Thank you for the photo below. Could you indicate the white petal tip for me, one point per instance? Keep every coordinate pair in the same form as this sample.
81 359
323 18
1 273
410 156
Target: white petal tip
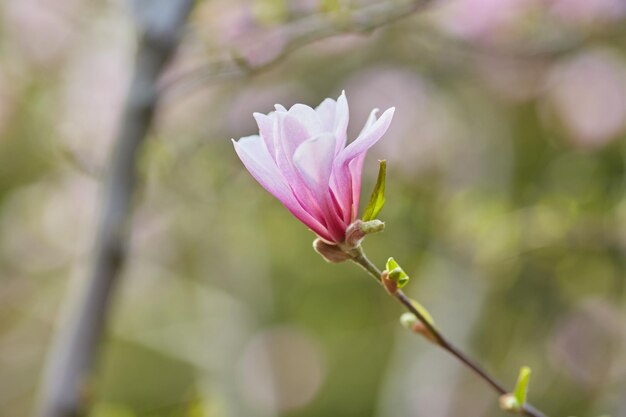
280 108
246 139
389 112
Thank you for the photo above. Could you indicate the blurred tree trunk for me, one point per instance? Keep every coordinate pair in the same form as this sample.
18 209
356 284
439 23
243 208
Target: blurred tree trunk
159 27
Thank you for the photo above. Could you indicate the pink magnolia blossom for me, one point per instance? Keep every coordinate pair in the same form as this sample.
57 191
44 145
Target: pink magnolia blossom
301 157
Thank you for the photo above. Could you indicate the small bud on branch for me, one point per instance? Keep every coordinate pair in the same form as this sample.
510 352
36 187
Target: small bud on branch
359 229
390 285
331 253
509 403
409 321
396 273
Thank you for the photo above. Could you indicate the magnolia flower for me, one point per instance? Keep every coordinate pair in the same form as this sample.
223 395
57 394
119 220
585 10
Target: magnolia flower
301 157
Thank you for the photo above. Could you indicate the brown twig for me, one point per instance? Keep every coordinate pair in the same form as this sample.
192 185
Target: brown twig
159 27
358 257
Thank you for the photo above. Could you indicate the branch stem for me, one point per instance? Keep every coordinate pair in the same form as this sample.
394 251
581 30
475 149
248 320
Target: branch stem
359 257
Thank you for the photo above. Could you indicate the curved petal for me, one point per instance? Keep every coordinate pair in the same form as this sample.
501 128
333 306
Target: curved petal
257 159
371 119
355 168
314 161
255 156
326 112
368 136
291 133
266 129
346 178
342 116
308 118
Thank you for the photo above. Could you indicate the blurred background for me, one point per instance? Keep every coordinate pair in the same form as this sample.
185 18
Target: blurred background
506 204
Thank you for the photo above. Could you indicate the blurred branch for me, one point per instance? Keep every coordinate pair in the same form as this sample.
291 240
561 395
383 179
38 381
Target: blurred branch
160 24
435 41
294 35
320 26
437 337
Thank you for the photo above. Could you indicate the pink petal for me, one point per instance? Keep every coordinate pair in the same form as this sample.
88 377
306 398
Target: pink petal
314 161
266 129
342 116
368 137
308 118
347 171
257 159
255 156
326 112
371 119
356 170
341 187
289 133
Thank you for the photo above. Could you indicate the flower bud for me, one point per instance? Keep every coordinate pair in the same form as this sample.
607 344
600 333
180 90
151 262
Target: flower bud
420 328
411 322
390 285
408 320
330 253
508 402
359 229
396 273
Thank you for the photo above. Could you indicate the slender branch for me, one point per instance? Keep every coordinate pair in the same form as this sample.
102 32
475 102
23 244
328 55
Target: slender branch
359 257
159 25
297 34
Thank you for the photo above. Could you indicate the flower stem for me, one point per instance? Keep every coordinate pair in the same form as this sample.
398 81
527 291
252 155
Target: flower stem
359 257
